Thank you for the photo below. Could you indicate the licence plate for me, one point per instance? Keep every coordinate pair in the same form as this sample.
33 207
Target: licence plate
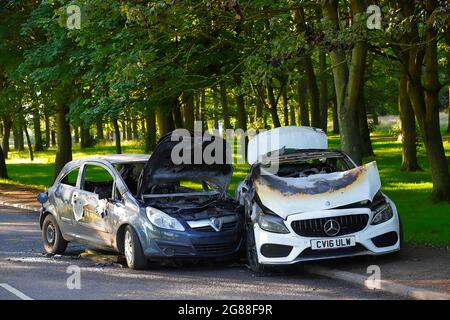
333 243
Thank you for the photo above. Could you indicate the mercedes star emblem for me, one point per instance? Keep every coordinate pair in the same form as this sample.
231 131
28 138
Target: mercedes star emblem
331 227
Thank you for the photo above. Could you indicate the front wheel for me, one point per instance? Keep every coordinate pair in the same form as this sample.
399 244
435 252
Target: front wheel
252 253
133 250
54 242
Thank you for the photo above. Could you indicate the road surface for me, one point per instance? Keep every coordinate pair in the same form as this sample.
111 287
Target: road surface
26 273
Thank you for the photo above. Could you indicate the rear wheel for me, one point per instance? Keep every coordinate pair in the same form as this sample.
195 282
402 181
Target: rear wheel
252 253
54 242
134 255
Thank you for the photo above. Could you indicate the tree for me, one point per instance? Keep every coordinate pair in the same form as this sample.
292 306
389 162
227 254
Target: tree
424 97
408 127
348 78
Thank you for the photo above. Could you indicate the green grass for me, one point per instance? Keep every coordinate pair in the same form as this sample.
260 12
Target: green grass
424 222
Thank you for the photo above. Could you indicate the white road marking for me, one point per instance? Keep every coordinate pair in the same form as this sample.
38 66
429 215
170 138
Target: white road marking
15 292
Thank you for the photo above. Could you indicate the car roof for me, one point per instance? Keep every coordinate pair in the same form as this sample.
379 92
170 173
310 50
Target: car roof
116 158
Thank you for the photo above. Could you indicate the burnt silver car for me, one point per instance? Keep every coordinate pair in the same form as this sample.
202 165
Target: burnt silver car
147 208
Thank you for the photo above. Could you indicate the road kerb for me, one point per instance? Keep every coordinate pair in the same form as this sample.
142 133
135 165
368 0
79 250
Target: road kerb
20 206
384 285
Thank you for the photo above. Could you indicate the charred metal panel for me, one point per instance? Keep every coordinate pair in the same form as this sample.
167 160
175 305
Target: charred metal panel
286 196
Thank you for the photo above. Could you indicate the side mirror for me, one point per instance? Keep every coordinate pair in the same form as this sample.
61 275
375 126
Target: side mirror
42 197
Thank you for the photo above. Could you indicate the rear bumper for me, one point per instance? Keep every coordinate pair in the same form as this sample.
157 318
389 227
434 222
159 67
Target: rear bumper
372 240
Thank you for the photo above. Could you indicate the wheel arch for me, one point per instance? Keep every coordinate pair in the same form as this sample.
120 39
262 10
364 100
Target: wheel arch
42 217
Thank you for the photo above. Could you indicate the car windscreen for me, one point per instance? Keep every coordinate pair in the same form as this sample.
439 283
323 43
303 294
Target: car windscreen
130 173
295 168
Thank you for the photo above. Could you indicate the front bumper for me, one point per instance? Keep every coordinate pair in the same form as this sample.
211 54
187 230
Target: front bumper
293 248
189 244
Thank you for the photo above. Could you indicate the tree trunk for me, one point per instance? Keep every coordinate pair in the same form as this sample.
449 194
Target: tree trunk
134 129
117 136
313 92
162 120
259 109
64 146
448 125
129 130
188 110
53 135
302 103
38 145
240 103
201 109
7 124
424 100
224 102
348 82
76 134
366 143
177 116
448 75
99 129
123 124
216 107
285 106
20 137
86 138
3 169
306 64
15 136
335 112
432 135
47 130
273 108
292 115
196 107
408 126
150 134
30 147
323 91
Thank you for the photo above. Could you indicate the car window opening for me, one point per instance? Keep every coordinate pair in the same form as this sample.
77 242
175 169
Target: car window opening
99 181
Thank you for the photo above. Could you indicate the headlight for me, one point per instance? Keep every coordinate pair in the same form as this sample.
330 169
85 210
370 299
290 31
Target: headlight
163 220
382 214
272 224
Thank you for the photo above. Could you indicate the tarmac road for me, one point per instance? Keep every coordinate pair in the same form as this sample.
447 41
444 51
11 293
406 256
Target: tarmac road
26 273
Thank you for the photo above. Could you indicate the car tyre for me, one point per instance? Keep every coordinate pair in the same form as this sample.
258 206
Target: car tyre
54 242
134 255
252 253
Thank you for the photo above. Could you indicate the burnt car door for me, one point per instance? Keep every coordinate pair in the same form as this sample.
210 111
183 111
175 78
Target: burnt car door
91 204
62 195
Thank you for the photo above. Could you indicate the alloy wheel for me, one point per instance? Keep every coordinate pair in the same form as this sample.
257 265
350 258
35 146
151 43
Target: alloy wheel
129 250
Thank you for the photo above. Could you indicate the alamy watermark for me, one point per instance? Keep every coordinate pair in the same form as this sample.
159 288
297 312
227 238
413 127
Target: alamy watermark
374 19
216 146
73 17
73 281
374 280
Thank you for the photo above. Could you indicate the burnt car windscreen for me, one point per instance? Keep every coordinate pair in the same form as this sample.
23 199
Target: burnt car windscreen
303 168
130 173
190 186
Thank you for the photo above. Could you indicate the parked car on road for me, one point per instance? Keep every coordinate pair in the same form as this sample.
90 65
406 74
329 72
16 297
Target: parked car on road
147 208
304 202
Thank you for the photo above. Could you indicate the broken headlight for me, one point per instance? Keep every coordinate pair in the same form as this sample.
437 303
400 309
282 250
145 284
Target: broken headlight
382 214
163 220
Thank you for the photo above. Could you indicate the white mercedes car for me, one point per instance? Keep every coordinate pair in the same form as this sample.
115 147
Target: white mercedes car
304 202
